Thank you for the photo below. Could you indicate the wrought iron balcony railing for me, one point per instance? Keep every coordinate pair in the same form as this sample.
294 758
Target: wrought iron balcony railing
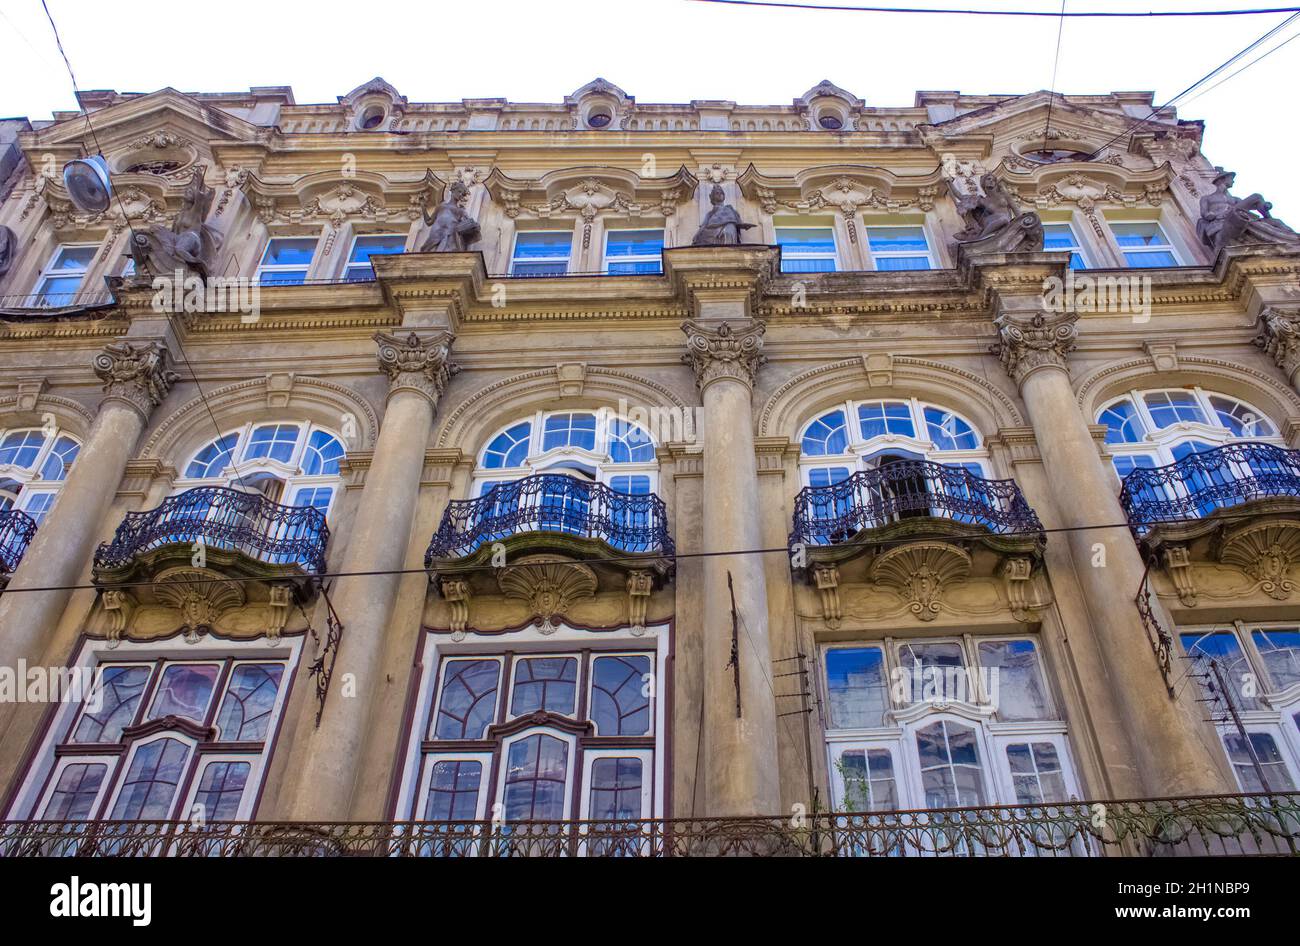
17 529
553 503
222 518
1204 826
1200 483
47 301
870 499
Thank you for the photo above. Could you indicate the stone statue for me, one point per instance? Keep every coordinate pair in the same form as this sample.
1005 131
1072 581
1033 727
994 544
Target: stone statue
1226 220
994 222
721 226
8 247
451 229
190 245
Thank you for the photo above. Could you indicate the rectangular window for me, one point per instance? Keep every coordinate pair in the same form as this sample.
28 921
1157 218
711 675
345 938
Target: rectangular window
61 280
1144 245
541 253
1262 750
286 261
364 247
1280 652
895 248
1060 236
868 776
855 679
807 249
634 251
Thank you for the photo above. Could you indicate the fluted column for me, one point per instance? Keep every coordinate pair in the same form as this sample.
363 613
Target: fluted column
1280 338
1176 754
325 764
740 744
136 377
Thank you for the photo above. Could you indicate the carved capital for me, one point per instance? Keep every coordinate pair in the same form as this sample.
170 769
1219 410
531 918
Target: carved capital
135 373
1043 341
724 352
1280 338
415 363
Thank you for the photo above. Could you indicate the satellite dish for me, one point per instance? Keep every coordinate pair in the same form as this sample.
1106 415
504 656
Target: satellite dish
88 184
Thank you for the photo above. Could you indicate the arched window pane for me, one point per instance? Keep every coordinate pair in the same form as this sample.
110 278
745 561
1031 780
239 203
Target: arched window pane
275 441
615 789
826 436
249 701
948 431
20 447
322 454
1241 419
453 791
213 458
75 793
221 788
629 443
150 784
509 448
877 418
468 702
1123 423
950 765
620 699
1224 648
545 683
185 691
121 689
60 458
536 770
1171 407
570 430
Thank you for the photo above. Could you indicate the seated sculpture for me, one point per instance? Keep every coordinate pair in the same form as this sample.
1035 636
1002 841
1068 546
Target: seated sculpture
1226 220
190 245
451 229
721 226
994 222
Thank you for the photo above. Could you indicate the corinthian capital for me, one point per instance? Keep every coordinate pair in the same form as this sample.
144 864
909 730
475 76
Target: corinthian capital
1280 337
135 373
1043 341
724 352
416 364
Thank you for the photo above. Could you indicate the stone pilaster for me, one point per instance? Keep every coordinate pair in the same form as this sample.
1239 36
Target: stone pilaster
740 735
136 378
1033 347
326 761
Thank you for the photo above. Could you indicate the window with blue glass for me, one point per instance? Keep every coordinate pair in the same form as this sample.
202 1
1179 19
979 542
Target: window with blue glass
366 246
33 465
541 253
1144 244
807 249
286 260
1059 237
633 251
899 247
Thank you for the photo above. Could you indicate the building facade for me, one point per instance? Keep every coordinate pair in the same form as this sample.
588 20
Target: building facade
609 477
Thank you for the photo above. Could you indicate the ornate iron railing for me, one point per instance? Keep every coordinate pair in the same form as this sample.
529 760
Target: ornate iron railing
1200 483
17 529
1208 825
223 518
553 503
869 499
44 301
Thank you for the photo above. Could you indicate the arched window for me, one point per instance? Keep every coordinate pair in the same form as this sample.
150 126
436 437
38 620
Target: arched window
1156 427
595 446
294 463
863 435
34 462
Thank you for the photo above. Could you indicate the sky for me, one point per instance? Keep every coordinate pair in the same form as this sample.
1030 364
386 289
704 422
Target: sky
670 51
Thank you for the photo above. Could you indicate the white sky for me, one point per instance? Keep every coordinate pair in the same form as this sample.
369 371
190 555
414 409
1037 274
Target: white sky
666 51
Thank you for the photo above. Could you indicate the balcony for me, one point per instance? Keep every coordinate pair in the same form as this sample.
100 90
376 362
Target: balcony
55 303
1214 825
17 529
244 531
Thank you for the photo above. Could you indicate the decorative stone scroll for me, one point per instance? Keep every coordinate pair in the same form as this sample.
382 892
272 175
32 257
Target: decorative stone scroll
1280 338
1043 341
135 373
416 364
724 352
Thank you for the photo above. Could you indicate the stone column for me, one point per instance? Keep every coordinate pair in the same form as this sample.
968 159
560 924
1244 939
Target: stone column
136 378
740 744
1280 339
1175 755
325 765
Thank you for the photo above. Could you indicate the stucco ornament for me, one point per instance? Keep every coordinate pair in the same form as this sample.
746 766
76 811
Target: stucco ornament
199 599
1266 552
1280 338
416 364
1039 342
724 352
136 373
994 221
451 228
8 245
189 245
549 585
1226 220
920 573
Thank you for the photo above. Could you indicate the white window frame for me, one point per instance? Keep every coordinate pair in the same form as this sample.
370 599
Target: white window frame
567 259
589 759
874 255
1077 249
347 260
29 482
265 267
833 256
656 258
1166 247
49 271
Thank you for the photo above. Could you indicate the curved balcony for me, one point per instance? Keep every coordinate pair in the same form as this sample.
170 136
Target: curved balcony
1201 483
290 539
17 529
907 490
556 506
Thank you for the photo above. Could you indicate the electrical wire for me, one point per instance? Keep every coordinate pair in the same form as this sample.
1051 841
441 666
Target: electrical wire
1238 72
1130 14
1051 91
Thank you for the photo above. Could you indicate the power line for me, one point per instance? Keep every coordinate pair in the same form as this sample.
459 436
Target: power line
1253 62
1056 62
1130 14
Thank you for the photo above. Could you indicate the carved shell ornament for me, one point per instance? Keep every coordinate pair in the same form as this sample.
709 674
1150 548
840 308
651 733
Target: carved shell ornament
549 585
199 599
920 573
1266 552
